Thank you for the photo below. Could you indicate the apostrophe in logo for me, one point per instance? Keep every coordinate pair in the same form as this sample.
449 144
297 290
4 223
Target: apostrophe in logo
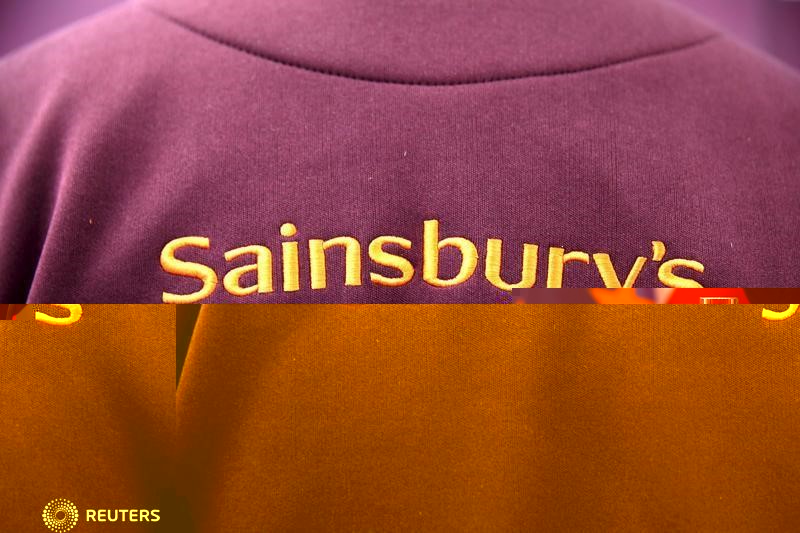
60 515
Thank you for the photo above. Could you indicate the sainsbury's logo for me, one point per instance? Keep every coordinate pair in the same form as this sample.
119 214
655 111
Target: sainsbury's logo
391 266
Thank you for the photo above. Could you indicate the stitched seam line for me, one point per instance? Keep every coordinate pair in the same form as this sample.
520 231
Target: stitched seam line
340 74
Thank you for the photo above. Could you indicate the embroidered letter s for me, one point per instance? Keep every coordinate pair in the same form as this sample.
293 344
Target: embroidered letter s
200 271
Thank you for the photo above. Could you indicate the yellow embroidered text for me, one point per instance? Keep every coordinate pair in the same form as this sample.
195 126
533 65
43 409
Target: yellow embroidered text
394 268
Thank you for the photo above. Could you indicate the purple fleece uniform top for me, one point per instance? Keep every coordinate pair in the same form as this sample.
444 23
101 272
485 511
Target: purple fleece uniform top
393 151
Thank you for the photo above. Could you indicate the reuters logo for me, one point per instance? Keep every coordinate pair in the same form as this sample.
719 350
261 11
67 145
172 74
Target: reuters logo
60 515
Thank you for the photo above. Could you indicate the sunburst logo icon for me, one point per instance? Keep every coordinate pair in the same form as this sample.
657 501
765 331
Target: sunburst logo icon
60 515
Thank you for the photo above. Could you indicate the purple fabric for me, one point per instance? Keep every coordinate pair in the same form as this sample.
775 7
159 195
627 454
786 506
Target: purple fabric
22 21
598 127
769 25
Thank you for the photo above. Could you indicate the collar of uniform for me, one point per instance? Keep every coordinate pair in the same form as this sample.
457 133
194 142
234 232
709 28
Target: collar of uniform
440 42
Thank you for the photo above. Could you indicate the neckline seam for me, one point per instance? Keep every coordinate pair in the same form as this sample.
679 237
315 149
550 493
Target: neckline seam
331 72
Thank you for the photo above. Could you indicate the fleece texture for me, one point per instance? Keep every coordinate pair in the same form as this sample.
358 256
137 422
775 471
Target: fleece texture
88 415
490 418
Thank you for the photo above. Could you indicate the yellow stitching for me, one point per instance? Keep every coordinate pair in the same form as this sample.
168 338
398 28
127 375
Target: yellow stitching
291 265
609 274
378 255
75 314
431 249
669 279
316 250
780 315
175 266
556 262
430 260
262 267
658 250
494 259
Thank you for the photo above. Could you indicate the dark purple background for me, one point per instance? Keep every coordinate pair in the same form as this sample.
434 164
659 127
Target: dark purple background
772 25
